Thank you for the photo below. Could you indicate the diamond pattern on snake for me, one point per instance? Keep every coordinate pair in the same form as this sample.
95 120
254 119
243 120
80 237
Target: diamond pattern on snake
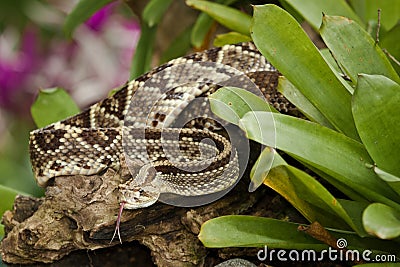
139 125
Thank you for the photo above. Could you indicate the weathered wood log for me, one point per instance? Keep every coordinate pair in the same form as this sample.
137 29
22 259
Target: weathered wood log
79 213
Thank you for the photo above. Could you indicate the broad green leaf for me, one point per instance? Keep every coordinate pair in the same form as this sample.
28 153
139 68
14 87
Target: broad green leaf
391 179
232 103
274 172
309 197
356 55
251 231
330 59
52 105
229 17
290 46
354 211
81 12
297 187
312 10
391 42
382 221
154 11
292 11
350 190
301 102
331 214
141 61
179 46
230 38
7 200
267 160
368 10
327 55
280 180
203 25
327 150
388 177
200 30
376 110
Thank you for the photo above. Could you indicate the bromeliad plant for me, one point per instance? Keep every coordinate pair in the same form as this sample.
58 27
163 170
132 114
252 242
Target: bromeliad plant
351 140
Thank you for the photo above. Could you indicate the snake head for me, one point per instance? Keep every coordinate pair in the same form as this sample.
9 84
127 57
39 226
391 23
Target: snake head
136 197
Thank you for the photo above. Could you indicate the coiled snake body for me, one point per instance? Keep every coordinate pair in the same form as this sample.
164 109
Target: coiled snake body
96 138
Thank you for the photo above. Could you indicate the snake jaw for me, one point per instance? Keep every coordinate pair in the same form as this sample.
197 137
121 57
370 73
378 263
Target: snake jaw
136 197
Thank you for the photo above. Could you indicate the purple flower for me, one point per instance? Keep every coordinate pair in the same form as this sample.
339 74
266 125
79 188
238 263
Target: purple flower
98 19
97 60
17 66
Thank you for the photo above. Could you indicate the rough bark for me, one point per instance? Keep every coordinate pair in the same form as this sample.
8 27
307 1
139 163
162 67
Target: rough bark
79 213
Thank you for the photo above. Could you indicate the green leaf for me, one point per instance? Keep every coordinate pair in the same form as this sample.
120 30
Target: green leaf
251 231
7 200
179 46
331 214
376 111
327 55
388 177
382 221
312 10
232 103
230 38
81 12
329 151
141 61
354 210
280 180
346 189
154 11
301 190
301 102
270 170
267 160
290 46
200 30
203 25
392 180
311 199
391 42
52 105
356 55
229 17
7 197
368 10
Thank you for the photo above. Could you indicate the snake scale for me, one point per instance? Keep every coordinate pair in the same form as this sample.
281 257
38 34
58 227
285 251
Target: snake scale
93 140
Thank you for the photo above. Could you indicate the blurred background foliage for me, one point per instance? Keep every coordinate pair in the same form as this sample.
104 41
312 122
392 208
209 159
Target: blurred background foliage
85 48
89 47
90 52
35 54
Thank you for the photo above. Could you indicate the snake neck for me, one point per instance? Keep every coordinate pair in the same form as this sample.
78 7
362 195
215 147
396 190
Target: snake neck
140 191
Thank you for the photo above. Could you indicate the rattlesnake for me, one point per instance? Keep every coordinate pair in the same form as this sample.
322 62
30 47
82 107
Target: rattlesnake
97 138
